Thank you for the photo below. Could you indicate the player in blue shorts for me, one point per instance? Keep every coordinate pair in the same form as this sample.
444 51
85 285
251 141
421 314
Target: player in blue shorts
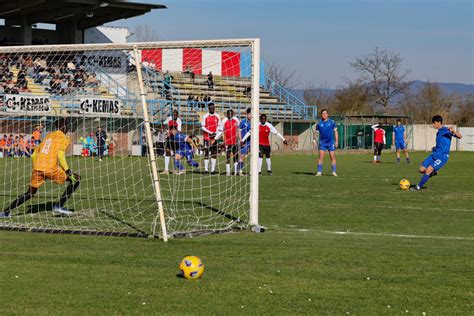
440 155
185 147
399 140
244 128
328 140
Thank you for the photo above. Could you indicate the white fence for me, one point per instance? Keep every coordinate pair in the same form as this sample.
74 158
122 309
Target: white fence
424 138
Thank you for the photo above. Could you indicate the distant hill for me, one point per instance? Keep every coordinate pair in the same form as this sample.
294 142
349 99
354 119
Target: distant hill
448 87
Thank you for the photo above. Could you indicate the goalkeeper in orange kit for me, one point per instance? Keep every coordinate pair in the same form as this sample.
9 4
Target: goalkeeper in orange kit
49 162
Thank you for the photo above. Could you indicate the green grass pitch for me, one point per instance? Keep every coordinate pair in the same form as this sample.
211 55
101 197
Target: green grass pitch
355 244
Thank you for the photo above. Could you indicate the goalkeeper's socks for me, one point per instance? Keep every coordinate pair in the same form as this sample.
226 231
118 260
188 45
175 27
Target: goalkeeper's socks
178 164
333 168
167 163
213 164
320 168
206 165
260 160
423 180
269 164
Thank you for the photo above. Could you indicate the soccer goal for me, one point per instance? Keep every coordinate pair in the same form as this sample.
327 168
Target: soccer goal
147 137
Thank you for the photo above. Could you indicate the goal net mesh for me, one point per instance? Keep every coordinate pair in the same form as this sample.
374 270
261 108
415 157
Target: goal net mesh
96 88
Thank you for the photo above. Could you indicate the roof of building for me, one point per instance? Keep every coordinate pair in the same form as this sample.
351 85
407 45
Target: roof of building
88 13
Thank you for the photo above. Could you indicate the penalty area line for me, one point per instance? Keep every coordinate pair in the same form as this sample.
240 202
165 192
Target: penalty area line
392 235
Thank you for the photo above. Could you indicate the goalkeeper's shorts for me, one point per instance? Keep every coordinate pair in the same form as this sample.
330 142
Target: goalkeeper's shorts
57 175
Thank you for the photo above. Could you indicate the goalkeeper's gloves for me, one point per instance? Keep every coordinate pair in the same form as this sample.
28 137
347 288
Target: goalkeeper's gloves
71 176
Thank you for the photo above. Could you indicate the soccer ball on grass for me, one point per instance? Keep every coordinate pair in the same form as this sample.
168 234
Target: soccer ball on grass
404 184
191 267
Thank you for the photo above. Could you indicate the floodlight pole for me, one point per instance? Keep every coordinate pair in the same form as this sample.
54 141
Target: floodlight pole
254 139
151 151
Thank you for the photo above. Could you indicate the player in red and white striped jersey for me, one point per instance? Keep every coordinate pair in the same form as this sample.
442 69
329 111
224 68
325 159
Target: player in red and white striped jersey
209 125
171 121
265 129
230 129
379 141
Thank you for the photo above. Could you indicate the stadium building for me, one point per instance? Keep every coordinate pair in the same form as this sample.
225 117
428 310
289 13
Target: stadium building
30 22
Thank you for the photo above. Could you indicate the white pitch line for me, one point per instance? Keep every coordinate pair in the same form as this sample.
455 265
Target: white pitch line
406 207
394 235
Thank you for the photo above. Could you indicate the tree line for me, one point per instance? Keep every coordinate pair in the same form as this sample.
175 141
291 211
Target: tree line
383 87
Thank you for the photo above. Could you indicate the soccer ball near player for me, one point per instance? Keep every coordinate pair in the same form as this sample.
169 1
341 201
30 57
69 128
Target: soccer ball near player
191 267
404 184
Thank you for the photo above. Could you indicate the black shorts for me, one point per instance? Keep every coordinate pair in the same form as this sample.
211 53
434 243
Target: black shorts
231 150
378 148
210 149
264 151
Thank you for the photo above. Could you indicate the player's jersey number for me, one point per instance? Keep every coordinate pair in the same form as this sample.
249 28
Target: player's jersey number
47 146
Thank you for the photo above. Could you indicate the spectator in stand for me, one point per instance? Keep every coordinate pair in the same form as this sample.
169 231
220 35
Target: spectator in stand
206 99
101 136
190 102
9 146
31 145
3 146
16 146
167 81
248 91
189 70
37 134
22 146
210 80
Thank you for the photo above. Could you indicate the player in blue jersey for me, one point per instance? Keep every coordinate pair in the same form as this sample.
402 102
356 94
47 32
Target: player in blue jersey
440 155
244 128
328 140
185 147
399 140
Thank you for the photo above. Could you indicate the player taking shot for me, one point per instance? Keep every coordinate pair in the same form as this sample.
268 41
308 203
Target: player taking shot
49 162
440 155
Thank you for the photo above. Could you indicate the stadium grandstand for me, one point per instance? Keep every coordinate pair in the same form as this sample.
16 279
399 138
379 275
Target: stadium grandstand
175 78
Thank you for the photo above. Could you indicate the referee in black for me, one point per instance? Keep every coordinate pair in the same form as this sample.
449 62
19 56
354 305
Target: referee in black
101 137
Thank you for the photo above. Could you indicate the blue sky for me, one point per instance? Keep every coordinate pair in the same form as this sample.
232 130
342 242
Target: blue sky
318 38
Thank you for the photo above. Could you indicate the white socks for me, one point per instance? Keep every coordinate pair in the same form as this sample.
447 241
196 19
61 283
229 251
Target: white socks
206 165
236 166
167 163
269 164
260 160
213 164
375 158
227 168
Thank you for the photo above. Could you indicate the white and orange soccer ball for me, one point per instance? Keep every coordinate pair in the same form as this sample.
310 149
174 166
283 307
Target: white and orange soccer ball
404 184
191 267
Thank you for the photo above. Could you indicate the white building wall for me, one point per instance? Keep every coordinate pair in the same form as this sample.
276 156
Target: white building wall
106 34
466 143
211 61
424 137
172 60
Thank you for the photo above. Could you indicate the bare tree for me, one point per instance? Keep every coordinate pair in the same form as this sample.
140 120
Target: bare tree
464 114
428 101
281 75
384 75
144 33
352 99
321 96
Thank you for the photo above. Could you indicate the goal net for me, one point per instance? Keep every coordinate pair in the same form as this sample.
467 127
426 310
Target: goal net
155 134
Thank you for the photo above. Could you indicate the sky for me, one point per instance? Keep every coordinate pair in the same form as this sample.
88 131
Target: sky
318 38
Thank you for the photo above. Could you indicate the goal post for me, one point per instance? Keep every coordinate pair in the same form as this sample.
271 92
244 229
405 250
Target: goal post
136 180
